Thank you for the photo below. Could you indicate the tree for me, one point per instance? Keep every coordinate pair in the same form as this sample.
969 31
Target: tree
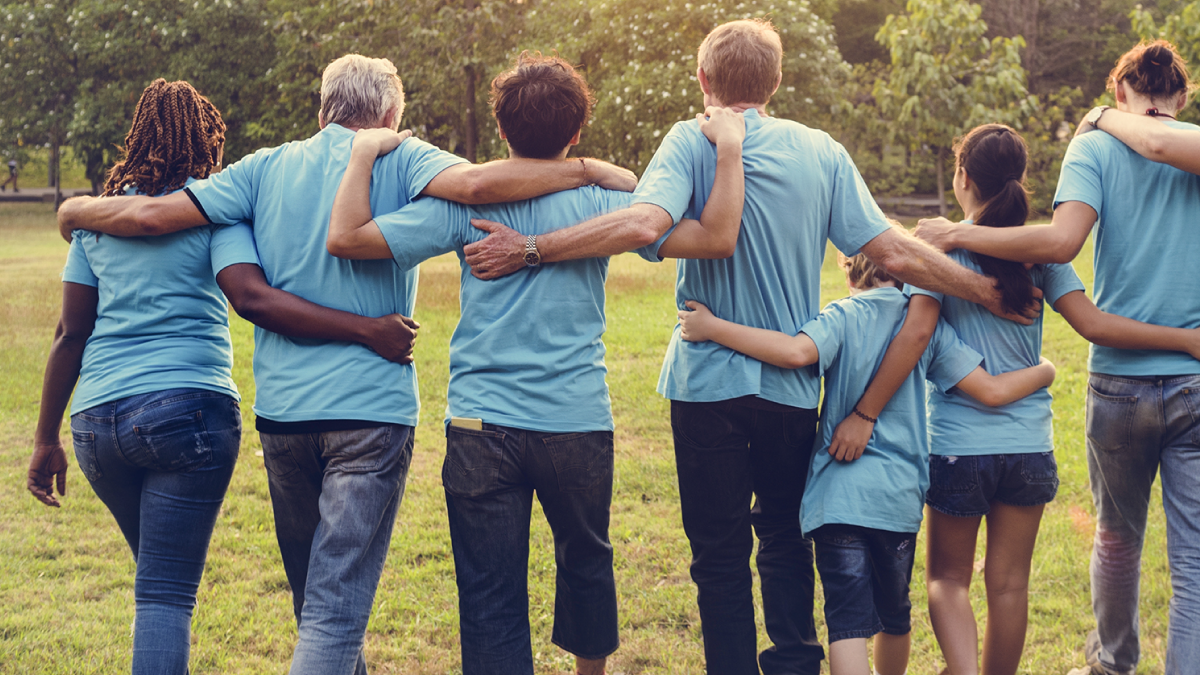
639 57
946 77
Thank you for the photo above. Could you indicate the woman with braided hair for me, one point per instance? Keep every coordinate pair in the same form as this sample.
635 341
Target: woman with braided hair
145 333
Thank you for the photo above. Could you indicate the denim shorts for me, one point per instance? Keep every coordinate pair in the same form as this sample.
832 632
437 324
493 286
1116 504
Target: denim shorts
966 486
866 574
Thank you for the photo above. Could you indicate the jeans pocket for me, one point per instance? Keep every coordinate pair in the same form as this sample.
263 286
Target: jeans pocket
177 443
1191 399
581 461
953 475
277 455
85 453
1109 418
704 426
1039 468
473 458
358 450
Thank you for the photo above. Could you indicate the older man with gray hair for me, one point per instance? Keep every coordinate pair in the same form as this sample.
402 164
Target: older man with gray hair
336 420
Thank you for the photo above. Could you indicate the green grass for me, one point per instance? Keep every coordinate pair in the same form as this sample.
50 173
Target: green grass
66 576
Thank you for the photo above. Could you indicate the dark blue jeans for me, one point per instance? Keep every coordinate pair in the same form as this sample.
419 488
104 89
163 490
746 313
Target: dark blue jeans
866 574
161 463
335 496
728 452
490 477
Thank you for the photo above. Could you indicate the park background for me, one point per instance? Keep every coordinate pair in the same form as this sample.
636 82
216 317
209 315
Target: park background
894 82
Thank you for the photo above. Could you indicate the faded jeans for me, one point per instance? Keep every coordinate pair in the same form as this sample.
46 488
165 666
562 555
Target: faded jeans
1134 427
161 463
335 496
490 477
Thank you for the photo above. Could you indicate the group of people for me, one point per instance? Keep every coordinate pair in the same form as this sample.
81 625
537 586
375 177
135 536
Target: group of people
318 241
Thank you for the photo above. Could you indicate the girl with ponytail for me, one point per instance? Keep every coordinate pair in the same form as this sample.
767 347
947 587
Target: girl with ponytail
998 462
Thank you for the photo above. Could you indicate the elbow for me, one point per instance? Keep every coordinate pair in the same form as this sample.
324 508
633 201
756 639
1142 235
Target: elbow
896 264
724 248
651 223
148 220
1157 146
796 359
249 304
336 247
1063 248
473 188
991 399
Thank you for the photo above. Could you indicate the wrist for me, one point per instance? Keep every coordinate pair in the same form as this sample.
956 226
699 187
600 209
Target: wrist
362 329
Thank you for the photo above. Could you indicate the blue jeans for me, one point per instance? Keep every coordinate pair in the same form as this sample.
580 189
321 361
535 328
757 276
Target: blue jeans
866 574
966 486
161 463
490 477
1134 426
335 496
728 452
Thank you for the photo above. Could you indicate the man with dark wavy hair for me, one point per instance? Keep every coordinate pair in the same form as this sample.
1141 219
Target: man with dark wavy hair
528 409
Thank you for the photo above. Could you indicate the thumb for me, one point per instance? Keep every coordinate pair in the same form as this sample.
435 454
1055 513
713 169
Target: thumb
405 134
486 225
410 322
62 482
691 304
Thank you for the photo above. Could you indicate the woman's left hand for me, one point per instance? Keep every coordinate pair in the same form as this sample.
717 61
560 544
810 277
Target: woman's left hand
47 470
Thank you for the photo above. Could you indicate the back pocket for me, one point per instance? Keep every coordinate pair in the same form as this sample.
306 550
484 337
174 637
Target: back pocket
85 453
581 461
953 475
174 444
1039 468
473 458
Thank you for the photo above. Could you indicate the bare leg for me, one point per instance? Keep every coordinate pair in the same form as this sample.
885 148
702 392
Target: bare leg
949 562
891 653
1011 534
589 666
849 657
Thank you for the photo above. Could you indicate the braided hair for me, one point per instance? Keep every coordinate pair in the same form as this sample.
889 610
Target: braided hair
176 134
994 158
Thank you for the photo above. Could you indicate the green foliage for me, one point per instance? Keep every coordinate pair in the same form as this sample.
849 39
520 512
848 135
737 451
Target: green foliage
640 58
1181 29
1047 132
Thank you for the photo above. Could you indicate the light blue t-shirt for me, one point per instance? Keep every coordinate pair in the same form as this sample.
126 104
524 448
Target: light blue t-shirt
961 425
288 192
1146 243
527 352
885 488
801 189
161 321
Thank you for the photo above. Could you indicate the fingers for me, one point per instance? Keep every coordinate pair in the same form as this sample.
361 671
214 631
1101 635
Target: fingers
405 135
39 486
690 304
486 225
410 322
61 482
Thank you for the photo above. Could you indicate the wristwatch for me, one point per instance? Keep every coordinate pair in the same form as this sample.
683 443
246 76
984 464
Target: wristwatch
532 257
1093 117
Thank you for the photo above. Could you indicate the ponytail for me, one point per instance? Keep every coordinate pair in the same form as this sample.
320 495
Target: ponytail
994 157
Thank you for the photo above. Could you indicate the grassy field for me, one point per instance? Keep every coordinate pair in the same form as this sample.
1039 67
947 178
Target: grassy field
66 576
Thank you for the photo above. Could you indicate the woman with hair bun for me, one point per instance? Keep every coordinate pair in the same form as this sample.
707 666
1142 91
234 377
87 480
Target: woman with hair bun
145 333
1142 405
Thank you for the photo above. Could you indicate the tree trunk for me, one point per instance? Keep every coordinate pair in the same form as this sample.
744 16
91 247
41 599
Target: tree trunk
941 180
56 167
52 167
472 133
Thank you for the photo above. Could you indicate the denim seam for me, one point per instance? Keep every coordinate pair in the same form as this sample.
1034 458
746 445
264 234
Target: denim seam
174 399
598 655
956 514
857 633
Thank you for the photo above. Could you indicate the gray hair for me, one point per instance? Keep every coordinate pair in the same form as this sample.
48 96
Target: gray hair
359 92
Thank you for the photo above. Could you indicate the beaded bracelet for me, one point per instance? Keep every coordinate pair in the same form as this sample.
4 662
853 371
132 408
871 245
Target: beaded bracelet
866 417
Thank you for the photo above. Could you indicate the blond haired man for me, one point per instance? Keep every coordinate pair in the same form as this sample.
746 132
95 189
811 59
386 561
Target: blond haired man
744 429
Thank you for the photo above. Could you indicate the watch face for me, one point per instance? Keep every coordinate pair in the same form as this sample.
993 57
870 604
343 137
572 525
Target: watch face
532 258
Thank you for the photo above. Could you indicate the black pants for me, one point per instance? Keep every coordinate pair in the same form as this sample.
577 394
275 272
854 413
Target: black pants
726 453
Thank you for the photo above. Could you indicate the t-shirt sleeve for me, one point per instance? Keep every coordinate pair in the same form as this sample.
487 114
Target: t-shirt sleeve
1079 179
78 270
420 163
232 245
910 290
951 359
424 229
1058 280
854 217
828 330
668 180
228 196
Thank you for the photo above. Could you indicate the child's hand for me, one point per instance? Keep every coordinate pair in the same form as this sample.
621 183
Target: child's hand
1048 370
695 325
850 438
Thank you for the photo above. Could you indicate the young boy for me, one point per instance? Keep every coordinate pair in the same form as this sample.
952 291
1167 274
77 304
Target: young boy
864 514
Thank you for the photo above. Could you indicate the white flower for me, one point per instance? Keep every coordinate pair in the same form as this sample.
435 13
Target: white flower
657 133
628 108
791 88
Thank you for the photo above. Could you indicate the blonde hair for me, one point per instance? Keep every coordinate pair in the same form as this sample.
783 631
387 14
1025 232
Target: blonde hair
743 61
359 92
863 273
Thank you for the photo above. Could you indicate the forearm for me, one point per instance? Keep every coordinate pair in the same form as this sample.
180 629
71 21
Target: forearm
135 216
1017 384
606 235
902 354
769 346
507 180
1153 139
715 234
62 372
1039 244
351 231
1118 332
914 262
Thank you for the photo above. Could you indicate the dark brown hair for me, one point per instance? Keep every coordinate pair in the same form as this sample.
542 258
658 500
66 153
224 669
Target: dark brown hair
994 158
540 103
176 134
1153 69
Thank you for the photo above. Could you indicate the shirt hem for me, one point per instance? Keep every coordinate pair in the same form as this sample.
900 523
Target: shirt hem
118 394
338 414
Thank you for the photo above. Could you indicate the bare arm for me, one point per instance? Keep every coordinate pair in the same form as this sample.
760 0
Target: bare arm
768 346
914 262
1058 242
715 234
48 464
246 286
1002 389
510 180
352 231
852 434
129 216
1111 330
1152 139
